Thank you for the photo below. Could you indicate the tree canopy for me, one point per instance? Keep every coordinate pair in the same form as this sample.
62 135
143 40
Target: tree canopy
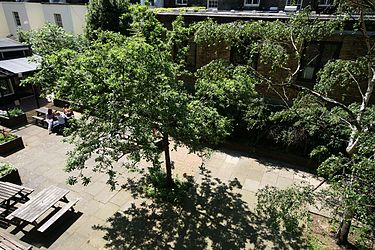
129 88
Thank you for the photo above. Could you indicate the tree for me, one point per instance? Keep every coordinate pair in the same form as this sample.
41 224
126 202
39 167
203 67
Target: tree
347 162
129 89
50 38
106 15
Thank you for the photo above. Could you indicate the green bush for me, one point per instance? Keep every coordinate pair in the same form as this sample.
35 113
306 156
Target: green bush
5 137
6 168
15 112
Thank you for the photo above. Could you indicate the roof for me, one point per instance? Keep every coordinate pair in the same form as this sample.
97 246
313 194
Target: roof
7 43
19 65
251 14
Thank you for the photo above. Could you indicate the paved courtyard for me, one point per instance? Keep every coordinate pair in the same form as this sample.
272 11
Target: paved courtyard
41 164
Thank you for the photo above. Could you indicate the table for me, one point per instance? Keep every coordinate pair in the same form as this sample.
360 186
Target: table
9 191
39 204
41 111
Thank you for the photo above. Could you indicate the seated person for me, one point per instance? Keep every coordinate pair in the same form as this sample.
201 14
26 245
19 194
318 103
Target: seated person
50 118
67 111
60 120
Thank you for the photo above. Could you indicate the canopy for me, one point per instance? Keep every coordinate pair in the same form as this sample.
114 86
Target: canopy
18 65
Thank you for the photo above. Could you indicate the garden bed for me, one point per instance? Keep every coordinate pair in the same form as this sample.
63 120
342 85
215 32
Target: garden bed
8 173
11 145
14 121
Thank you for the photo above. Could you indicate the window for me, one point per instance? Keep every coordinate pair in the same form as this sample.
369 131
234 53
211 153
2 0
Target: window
326 2
181 2
315 56
58 20
17 19
6 87
212 4
297 3
252 2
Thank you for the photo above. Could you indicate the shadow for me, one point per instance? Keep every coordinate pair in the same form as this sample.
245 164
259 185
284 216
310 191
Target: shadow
211 214
271 158
47 238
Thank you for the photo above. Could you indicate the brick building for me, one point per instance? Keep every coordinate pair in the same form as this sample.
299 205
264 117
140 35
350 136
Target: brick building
262 5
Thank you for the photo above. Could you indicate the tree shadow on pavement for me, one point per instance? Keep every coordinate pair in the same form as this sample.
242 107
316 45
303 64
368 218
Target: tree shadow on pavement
211 215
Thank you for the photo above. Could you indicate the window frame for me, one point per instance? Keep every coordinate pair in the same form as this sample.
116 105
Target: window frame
9 87
181 2
251 4
17 19
290 3
58 19
326 4
319 65
217 4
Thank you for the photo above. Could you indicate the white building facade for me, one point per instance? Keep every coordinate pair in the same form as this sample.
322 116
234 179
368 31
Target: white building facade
28 16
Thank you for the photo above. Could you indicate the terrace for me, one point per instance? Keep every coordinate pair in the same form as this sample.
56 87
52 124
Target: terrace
226 186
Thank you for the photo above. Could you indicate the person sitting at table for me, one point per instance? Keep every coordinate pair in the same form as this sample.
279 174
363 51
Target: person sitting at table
60 120
50 117
67 111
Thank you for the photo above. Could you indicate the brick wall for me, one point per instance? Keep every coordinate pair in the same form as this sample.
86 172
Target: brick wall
239 4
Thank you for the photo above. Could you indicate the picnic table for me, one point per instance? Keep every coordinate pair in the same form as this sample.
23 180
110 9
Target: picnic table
8 243
41 117
42 111
38 205
9 192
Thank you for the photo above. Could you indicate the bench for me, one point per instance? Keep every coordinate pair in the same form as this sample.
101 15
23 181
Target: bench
7 242
40 121
2 210
57 215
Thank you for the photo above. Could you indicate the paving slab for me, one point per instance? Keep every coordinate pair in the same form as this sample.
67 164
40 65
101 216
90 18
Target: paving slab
41 164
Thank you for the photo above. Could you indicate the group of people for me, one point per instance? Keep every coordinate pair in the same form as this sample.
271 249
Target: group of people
56 119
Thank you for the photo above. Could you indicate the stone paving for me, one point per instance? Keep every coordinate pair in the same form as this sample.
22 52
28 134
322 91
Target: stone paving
41 164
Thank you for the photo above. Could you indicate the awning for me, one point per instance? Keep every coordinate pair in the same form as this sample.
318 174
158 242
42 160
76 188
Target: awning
18 65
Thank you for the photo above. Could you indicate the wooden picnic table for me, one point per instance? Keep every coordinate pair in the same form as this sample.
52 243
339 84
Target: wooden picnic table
9 191
33 209
42 111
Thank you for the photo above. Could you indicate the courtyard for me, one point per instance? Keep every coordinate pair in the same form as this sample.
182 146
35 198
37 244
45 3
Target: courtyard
219 211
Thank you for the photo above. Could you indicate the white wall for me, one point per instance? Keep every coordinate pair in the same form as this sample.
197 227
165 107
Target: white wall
35 14
4 31
78 13
64 10
9 8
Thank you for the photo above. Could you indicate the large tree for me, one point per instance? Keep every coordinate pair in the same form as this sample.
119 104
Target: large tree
134 105
106 15
319 110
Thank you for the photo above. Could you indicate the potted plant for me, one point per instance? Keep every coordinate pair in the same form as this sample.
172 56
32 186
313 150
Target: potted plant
9 143
13 118
9 173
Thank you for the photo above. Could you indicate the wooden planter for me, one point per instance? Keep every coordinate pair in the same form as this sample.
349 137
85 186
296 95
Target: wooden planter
13 122
13 177
11 146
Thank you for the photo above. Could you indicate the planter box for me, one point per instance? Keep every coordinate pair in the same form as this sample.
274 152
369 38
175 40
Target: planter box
12 177
11 146
13 122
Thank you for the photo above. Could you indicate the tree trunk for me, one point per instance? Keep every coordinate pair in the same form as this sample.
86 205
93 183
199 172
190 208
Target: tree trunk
343 231
168 164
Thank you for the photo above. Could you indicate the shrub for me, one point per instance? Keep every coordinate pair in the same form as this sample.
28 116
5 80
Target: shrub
6 168
6 136
15 112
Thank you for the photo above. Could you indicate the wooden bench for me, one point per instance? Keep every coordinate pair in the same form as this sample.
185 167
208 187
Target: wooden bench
57 215
41 121
2 210
7 242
